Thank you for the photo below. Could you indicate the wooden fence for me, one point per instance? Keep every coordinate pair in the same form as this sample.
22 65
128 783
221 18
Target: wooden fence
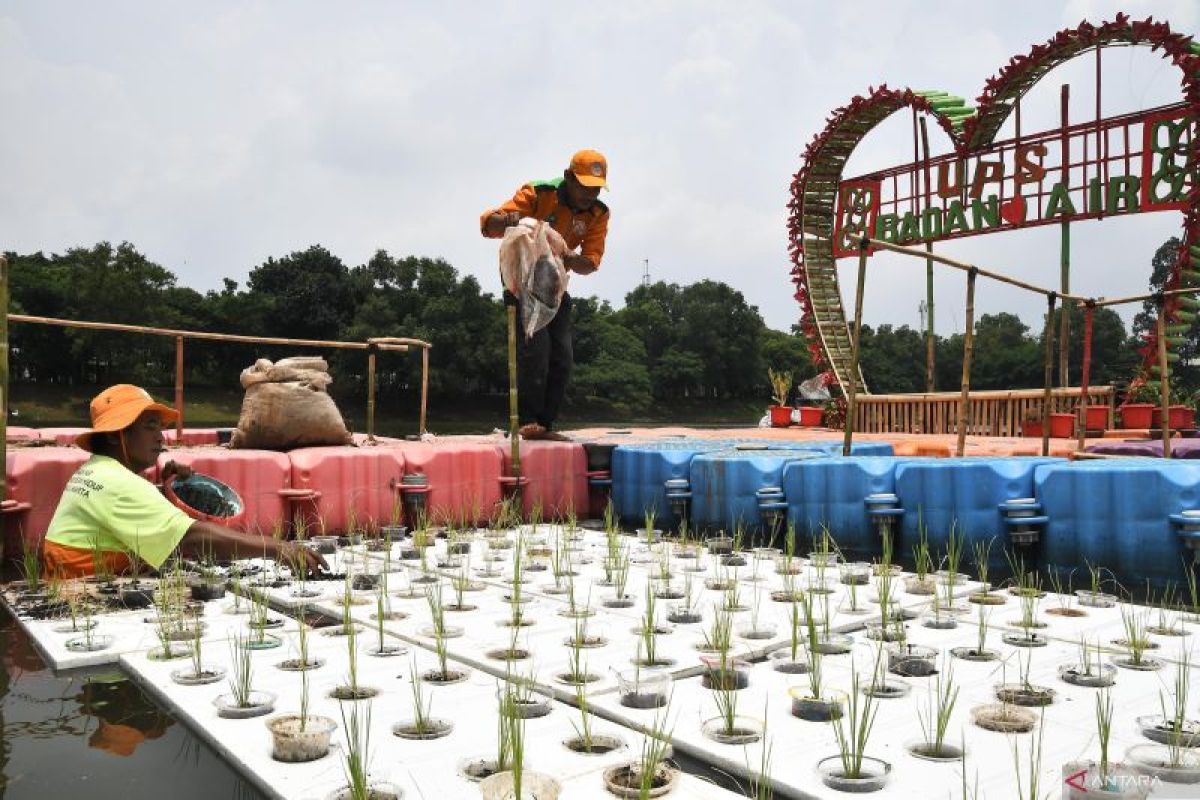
994 413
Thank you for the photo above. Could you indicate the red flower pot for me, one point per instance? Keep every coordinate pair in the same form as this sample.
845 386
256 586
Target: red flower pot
1032 428
1062 425
1177 416
1137 415
1097 418
781 416
811 416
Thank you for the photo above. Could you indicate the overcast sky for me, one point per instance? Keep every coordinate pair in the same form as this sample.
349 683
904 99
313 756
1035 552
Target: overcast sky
213 135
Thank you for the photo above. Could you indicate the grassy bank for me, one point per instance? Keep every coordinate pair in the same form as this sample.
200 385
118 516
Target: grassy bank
206 407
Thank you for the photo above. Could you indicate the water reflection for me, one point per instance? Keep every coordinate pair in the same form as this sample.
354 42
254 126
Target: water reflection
95 734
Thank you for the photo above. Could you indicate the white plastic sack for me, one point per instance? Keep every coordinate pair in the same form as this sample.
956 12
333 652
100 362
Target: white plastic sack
815 388
531 267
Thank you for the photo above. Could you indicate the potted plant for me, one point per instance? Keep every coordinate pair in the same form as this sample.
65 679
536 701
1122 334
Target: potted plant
359 784
243 701
423 725
1181 413
1085 780
781 384
1140 401
516 783
1062 426
651 774
1031 425
303 737
934 719
852 770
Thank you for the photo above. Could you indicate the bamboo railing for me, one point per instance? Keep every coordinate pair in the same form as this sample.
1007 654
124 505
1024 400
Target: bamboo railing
989 413
372 346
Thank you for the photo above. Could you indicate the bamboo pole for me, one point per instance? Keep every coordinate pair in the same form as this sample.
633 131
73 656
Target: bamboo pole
968 347
371 394
1048 347
424 386
1137 298
852 398
965 267
930 348
4 381
1064 256
179 389
1085 371
1164 380
398 345
514 435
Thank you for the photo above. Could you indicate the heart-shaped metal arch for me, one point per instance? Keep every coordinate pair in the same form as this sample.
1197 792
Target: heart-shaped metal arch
812 207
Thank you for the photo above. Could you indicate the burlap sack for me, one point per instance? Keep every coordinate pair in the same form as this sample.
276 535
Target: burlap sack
286 406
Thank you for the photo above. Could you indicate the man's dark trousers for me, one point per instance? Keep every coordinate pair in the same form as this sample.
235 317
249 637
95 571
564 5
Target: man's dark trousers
544 366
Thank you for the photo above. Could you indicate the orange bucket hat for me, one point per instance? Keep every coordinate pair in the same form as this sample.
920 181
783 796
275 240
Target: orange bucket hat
118 407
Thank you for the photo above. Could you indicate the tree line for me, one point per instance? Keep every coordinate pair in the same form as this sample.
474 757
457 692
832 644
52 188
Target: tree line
698 343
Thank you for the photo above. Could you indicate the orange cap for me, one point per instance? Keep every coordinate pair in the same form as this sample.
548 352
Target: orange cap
118 407
590 167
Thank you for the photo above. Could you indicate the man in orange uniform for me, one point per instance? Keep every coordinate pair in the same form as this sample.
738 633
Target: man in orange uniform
571 206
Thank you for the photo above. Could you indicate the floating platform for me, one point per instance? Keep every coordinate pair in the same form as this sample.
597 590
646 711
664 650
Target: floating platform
762 638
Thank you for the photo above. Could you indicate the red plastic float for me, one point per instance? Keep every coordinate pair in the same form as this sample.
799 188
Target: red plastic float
554 476
263 479
60 436
192 437
19 434
463 478
347 486
36 479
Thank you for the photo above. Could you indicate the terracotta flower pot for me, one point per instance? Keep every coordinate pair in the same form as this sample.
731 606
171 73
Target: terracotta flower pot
781 416
1097 418
1137 415
1062 425
1177 416
811 416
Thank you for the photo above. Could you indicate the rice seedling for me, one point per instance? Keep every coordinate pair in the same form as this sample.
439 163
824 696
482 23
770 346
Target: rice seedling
352 662
719 636
934 718
100 564
583 730
815 656
31 568
922 558
649 517
656 744
725 696
1134 622
241 671
648 631
955 543
620 574
664 562
760 776
981 555
511 719
853 728
437 610
796 622
422 705
1104 719
1174 712
1029 786
355 764
1063 591
1189 572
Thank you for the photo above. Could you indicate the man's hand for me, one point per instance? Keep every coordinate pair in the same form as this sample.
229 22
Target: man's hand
579 264
301 558
499 221
172 470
